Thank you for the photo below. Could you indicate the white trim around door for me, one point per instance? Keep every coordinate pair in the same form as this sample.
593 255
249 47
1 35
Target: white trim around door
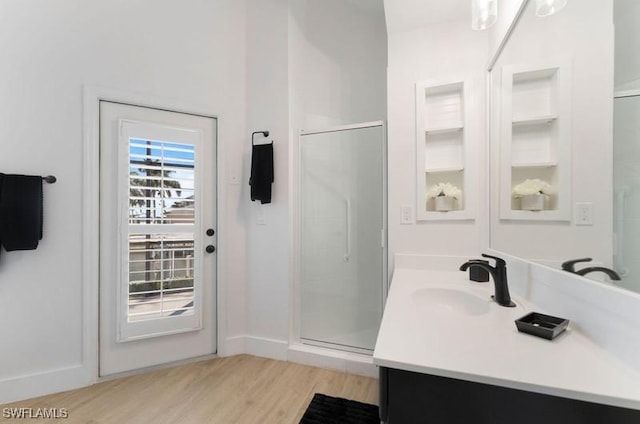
92 96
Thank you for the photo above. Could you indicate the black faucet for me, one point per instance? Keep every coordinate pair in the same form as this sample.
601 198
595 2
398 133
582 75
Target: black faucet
569 266
499 273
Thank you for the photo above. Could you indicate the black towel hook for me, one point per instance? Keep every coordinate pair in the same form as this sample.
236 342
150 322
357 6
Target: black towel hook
50 179
264 133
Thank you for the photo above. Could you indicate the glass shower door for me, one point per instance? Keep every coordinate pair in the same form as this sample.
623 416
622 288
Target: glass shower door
626 182
343 258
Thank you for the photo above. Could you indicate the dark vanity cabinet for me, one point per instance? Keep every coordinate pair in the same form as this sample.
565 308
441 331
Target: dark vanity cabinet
414 398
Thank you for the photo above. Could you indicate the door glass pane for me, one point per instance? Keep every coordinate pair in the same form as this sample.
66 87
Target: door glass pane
160 275
161 182
342 190
161 260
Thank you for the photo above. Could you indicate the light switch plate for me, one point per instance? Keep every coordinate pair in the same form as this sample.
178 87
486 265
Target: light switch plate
584 213
260 219
406 215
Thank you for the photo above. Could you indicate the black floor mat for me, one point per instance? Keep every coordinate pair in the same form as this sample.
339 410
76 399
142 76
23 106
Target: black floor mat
331 410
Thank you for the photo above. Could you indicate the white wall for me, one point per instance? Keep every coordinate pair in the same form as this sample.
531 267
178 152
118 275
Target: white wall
405 15
434 52
310 63
507 10
234 59
583 35
268 109
190 51
338 58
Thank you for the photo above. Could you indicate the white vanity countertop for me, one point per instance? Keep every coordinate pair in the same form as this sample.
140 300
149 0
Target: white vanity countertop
487 348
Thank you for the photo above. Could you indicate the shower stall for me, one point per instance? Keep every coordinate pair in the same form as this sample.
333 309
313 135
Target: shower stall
626 184
342 236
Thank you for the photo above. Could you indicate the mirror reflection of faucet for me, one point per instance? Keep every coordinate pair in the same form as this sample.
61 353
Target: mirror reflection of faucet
569 266
499 274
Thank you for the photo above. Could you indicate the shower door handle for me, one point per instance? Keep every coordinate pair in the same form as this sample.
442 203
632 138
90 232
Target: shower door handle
618 245
347 253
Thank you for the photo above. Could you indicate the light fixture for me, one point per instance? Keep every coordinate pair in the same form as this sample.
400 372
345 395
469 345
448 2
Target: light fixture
484 13
549 7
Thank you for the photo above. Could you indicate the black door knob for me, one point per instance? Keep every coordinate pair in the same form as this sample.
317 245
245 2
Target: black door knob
210 232
210 249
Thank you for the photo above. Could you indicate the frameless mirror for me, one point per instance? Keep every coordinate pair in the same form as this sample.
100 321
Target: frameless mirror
565 161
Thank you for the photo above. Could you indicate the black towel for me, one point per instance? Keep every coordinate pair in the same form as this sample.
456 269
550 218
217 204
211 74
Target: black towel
20 211
261 172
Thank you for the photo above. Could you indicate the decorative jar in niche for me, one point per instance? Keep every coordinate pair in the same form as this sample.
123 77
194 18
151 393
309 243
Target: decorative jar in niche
532 202
444 203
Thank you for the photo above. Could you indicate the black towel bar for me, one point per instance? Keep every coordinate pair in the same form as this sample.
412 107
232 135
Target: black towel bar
264 133
48 179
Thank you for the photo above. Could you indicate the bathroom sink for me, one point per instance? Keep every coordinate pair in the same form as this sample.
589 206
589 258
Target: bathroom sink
448 301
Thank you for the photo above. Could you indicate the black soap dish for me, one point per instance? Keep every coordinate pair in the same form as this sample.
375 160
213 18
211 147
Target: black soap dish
541 325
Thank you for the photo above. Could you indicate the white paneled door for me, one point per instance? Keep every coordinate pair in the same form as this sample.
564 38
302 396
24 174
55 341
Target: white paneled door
157 237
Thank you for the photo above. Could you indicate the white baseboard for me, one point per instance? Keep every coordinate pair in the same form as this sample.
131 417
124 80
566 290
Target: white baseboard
351 363
232 346
40 384
257 346
266 348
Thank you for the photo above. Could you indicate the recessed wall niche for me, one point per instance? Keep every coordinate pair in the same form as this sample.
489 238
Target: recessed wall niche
535 139
443 149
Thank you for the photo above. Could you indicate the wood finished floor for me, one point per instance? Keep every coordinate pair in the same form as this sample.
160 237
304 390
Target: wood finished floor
241 389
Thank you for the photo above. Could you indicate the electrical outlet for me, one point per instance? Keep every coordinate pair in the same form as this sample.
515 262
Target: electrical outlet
406 215
584 213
